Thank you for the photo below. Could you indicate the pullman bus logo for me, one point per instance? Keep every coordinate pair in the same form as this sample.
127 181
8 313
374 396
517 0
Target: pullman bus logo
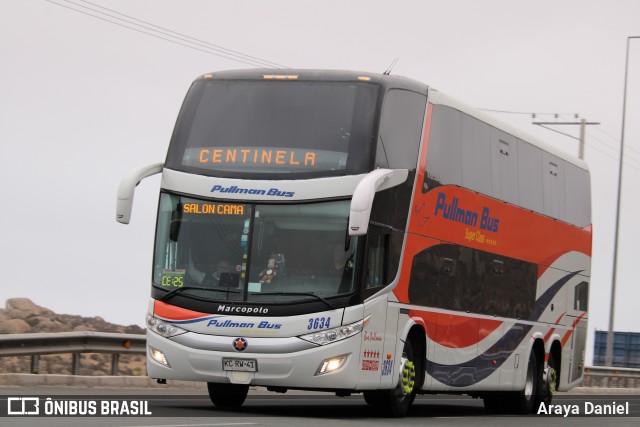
240 344
234 189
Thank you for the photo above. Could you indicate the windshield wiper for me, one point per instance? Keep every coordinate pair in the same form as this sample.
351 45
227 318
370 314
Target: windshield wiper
176 291
306 294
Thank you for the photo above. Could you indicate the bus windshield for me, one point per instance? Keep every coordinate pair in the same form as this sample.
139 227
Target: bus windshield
239 128
255 253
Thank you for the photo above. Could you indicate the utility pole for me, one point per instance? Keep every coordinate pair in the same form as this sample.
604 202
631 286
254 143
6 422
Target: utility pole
609 352
582 123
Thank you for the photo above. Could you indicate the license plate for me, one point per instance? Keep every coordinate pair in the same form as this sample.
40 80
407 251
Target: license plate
245 365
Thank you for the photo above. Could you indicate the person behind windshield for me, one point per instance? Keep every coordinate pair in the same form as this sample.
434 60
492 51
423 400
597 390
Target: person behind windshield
343 266
213 279
341 258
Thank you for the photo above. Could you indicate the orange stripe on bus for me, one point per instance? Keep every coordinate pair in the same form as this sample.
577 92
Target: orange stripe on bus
172 312
546 337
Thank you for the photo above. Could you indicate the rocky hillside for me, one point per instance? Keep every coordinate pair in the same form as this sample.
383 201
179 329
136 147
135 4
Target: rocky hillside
21 316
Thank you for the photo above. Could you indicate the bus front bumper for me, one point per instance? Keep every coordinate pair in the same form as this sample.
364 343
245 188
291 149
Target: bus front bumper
298 369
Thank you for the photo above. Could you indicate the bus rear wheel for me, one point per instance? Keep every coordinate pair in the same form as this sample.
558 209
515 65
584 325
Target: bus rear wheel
525 401
551 380
227 395
521 402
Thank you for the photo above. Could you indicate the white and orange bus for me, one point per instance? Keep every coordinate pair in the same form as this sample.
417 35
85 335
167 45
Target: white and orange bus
363 233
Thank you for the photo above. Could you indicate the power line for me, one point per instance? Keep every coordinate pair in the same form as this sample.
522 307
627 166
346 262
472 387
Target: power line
626 161
609 146
149 34
197 41
557 131
617 141
574 115
206 50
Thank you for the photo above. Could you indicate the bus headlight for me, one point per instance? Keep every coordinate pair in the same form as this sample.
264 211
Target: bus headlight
163 328
336 334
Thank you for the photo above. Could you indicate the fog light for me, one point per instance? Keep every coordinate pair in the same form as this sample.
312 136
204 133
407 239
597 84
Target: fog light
332 364
159 356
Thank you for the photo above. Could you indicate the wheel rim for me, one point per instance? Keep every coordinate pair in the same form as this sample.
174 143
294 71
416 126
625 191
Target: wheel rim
552 378
408 377
528 386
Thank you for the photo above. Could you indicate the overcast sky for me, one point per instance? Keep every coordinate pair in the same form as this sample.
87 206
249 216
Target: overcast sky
84 101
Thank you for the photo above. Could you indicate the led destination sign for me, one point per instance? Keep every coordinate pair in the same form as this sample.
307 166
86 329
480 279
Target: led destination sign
282 157
265 159
213 209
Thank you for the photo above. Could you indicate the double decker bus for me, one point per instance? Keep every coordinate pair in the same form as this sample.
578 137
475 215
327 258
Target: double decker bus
363 233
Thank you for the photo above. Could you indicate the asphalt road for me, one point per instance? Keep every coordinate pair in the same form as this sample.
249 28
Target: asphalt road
193 409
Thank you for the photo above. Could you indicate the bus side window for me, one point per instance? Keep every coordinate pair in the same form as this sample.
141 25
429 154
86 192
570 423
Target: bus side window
444 159
376 275
581 296
400 129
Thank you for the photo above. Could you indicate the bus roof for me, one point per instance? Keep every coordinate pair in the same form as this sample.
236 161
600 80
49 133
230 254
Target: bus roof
386 81
440 98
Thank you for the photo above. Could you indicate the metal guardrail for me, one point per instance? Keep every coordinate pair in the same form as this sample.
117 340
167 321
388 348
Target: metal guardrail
35 345
604 376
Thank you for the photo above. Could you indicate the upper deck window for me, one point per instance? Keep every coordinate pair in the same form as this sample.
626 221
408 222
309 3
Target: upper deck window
239 128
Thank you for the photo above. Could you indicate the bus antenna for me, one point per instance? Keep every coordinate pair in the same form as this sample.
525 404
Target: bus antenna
388 70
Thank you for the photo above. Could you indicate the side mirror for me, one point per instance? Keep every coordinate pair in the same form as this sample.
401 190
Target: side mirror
364 193
127 189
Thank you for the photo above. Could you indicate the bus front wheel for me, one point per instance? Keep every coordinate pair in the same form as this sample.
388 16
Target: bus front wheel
227 395
396 402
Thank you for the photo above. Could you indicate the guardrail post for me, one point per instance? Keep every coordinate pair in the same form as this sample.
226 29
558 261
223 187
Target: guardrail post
75 368
115 358
35 363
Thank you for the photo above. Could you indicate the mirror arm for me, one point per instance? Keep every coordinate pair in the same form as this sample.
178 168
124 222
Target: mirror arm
127 189
362 201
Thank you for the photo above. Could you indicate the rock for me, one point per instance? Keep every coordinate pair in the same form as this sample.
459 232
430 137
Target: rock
22 304
27 306
39 323
14 326
17 314
84 328
24 316
134 329
57 326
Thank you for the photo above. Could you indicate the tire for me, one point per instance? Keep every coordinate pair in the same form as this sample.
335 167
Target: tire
227 395
493 404
396 402
374 398
551 380
526 401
